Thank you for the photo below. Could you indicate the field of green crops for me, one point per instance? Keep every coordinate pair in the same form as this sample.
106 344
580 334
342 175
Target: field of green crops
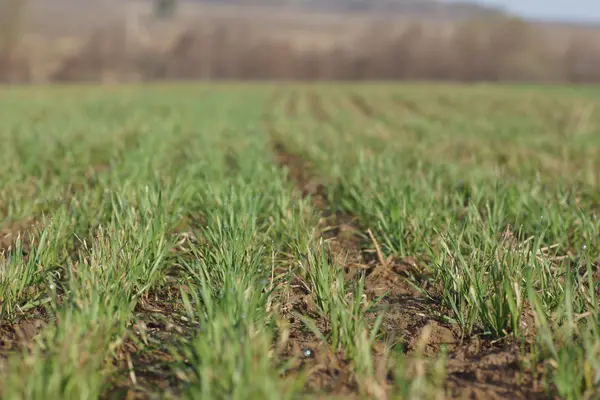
277 242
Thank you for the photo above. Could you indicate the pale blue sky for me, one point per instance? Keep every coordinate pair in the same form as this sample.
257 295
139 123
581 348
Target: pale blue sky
570 10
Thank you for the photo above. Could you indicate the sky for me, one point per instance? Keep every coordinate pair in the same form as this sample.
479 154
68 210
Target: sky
561 10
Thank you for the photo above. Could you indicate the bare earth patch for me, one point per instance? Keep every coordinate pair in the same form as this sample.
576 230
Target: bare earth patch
10 232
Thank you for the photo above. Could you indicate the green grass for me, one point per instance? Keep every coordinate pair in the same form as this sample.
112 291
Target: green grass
168 254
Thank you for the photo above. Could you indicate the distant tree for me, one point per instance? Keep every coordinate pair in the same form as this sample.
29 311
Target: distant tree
11 19
165 8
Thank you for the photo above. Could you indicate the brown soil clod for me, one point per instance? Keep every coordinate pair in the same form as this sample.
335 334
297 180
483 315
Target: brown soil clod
20 334
10 232
431 337
482 370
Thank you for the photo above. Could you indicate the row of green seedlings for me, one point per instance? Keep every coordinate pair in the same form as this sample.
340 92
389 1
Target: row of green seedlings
496 252
344 305
102 251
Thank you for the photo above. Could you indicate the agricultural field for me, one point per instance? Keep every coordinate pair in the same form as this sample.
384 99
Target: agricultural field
254 241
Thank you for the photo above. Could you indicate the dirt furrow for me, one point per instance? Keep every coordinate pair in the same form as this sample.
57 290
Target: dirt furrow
317 108
362 106
448 103
18 229
477 368
360 254
329 372
405 104
291 108
340 231
144 364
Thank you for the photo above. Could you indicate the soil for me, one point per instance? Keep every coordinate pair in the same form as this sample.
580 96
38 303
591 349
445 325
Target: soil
447 102
21 334
291 109
405 104
317 108
11 231
362 105
477 367
143 363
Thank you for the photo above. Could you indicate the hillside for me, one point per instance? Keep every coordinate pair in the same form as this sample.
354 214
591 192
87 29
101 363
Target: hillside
416 8
404 8
59 35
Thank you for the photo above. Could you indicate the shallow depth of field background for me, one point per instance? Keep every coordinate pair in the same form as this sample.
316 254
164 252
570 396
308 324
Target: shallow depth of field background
111 40
277 200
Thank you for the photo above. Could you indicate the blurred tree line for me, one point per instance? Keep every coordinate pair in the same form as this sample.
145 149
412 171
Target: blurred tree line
494 48
165 8
11 17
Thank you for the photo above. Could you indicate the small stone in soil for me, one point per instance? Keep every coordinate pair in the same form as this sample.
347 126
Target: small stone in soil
307 353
